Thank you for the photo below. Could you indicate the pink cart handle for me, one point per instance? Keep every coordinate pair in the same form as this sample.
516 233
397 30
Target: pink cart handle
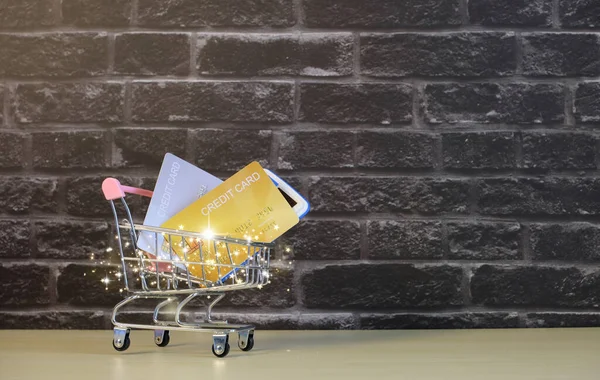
112 189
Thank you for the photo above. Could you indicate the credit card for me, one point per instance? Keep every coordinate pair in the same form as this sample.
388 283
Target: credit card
296 201
247 206
178 185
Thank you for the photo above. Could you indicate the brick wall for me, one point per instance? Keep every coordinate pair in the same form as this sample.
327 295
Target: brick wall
449 149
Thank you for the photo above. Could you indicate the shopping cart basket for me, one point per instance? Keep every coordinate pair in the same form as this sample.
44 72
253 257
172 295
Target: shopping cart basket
166 278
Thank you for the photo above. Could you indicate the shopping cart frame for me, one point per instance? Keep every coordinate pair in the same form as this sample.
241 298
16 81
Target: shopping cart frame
173 287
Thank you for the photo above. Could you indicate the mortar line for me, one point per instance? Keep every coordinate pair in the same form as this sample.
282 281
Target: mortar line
57 8
135 4
127 103
519 53
364 240
356 56
194 54
518 139
526 244
53 284
463 9
298 14
555 14
466 285
569 104
109 156
6 93
274 153
445 240
111 53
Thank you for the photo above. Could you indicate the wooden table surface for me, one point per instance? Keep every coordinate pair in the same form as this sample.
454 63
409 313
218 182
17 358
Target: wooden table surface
532 354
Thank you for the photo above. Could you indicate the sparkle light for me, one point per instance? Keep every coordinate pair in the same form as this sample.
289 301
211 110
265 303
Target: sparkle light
106 280
109 249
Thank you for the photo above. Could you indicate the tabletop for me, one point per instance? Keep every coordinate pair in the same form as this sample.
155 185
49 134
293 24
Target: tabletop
532 354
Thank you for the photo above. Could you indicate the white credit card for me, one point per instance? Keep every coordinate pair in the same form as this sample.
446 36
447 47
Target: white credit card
178 185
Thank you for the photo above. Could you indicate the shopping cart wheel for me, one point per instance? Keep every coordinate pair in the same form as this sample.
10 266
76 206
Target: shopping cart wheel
121 340
161 338
246 340
220 347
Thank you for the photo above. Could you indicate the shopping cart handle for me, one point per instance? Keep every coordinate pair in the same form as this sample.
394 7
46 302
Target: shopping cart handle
112 189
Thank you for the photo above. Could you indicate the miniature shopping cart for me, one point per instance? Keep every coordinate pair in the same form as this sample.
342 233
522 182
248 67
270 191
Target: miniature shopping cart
167 278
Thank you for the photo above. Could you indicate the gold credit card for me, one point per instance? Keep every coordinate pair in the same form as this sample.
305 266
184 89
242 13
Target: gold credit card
246 206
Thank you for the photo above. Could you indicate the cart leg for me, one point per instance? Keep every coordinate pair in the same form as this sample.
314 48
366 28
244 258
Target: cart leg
121 339
246 340
211 306
220 346
161 338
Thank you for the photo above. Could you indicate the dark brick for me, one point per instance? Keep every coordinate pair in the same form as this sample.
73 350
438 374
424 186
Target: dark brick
450 54
479 150
579 13
85 197
24 285
213 101
68 150
12 148
147 146
568 242
322 240
535 286
393 149
70 239
316 55
494 103
53 55
316 149
96 12
383 286
2 90
231 149
52 320
327 321
81 285
382 194
262 321
561 54
547 196
152 54
511 12
405 240
69 102
551 320
22 195
24 14
353 103
194 13
14 239
484 240
543 150
381 14
280 293
587 102
445 321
